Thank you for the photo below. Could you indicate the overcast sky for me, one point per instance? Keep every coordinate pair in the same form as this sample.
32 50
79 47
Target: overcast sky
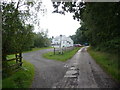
57 23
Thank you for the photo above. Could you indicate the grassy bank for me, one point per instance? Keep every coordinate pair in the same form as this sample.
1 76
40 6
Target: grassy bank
21 79
109 62
59 57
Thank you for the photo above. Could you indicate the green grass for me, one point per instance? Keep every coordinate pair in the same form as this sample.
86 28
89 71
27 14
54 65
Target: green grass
10 56
36 49
21 79
109 63
59 57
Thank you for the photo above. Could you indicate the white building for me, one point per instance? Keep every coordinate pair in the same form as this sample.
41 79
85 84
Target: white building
62 41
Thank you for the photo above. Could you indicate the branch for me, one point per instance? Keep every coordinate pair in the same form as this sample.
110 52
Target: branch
18 4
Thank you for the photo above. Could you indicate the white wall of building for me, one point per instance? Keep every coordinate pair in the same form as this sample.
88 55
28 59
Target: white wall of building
65 41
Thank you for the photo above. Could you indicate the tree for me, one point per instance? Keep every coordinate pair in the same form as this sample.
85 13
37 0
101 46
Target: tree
101 21
41 40
80 35
15 33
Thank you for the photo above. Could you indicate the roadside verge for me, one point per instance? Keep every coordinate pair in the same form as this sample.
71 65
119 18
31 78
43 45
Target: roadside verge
107 61
61 57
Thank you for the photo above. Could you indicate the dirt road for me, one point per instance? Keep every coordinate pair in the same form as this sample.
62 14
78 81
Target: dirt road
81 71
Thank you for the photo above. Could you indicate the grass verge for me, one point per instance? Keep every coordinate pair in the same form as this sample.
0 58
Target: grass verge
59 57
21 79
108 62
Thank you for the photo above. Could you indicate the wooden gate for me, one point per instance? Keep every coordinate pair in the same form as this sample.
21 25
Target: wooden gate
13 63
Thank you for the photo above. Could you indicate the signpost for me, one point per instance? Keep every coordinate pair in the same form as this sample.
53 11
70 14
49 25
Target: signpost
60 44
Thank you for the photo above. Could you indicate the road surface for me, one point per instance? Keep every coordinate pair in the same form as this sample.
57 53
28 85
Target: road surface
47 72
81 71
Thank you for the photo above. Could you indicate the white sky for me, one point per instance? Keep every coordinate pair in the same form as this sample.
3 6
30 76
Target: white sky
57 23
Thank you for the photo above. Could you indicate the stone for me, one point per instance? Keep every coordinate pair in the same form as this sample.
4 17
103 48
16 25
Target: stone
73 68
70 76
71 72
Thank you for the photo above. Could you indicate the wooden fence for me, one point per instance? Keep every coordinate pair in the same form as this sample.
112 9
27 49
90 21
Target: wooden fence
13 63
64 49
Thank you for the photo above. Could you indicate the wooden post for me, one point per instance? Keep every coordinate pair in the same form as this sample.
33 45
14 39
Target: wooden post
54 51
20 55
16 58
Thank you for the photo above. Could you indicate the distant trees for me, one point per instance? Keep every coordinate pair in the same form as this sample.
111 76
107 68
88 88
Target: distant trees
102 23
80 35
41 40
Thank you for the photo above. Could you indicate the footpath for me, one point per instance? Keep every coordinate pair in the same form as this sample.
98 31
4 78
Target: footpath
83 72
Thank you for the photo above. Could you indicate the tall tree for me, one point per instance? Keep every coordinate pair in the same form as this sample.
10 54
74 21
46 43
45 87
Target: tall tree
15 32
101 21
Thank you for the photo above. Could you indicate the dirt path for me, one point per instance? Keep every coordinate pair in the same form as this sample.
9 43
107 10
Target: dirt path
79 72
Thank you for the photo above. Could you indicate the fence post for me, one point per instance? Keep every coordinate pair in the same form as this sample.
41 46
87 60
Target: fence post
20 55
16 58
54 51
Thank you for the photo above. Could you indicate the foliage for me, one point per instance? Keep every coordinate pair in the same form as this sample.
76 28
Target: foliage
101 21
15 33
80 35
21 79
41 40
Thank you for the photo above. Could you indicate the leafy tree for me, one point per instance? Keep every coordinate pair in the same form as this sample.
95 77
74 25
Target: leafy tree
38 40
41 40
101 21
16 35
80 35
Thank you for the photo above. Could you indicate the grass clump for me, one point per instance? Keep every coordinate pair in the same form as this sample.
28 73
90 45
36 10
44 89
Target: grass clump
109 62
61 57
